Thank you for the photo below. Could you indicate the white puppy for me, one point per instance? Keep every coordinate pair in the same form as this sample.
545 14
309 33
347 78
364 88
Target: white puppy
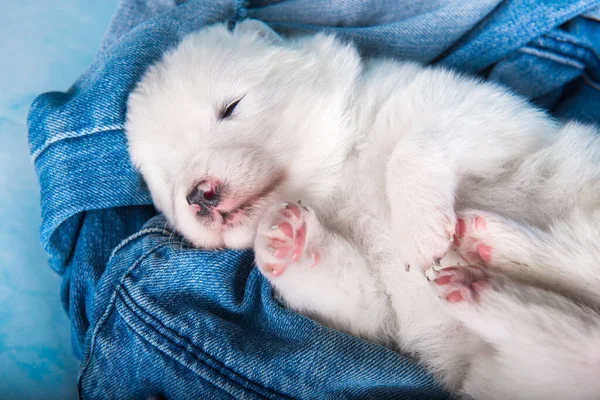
231 129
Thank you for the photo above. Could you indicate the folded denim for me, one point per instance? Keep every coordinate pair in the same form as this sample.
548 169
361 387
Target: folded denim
152 317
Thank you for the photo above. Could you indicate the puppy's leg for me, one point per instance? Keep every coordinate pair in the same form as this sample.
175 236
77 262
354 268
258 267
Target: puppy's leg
564 258
423 174
541 344
420 192
318 272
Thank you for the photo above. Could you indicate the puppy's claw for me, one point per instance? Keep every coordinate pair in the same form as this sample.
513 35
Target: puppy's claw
430 274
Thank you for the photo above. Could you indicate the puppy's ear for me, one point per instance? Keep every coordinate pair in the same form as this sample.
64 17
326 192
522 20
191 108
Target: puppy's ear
258 28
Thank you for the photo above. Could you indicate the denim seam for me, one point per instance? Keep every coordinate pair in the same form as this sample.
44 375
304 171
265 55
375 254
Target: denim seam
189 347
593 18
72 135
136 235
507 50
108 312
580 46
145 339
552 57
564 39
593 84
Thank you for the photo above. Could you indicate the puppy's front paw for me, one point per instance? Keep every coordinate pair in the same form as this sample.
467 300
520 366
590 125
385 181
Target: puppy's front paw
459 284
281 239
428 238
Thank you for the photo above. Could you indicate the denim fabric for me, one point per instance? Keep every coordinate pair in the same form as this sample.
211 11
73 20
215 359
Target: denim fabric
152 317
210 329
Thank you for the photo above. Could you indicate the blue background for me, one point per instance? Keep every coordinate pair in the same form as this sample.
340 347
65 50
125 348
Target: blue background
45 46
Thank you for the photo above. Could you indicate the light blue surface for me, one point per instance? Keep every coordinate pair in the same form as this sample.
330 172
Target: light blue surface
45 46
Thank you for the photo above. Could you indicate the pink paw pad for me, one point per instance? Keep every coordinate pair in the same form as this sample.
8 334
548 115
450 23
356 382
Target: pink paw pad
467 240
285 240
458 284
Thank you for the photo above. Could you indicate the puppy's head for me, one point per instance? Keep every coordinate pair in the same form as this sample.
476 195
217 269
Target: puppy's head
205 126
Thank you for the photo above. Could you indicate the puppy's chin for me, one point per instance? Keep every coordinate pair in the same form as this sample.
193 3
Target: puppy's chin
204 239
208 237
240 237
237 237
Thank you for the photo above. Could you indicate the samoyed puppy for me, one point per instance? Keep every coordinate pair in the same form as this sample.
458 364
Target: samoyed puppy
350 178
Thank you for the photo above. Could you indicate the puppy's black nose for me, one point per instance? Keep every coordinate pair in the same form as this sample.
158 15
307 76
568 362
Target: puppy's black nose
204 195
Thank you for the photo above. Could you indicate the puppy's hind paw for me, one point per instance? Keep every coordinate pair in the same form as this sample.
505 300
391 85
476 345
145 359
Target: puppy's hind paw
489 240
459 284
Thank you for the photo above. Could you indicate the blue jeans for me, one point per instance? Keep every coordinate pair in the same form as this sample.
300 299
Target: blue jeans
152 317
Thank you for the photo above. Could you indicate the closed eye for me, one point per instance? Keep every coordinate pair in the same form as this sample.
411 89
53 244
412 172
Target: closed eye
228 110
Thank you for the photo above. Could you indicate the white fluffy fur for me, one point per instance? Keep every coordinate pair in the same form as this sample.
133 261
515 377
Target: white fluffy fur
382 154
